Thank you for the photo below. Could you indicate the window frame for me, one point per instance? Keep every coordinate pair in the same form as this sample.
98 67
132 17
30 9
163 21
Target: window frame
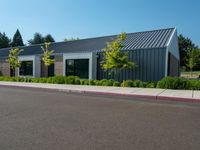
24 72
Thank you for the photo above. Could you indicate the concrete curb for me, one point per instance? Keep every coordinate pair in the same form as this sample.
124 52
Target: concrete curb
178 99
132 95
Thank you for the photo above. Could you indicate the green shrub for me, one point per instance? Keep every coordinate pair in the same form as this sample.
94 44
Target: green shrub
50 80
166 83
173 83
101 82
27 79
142 84
193 84
84 82
36 80
92 82
106 82
58 79
116 83
127 83
136 83
77 81
72 80
42 80
98 82
151 85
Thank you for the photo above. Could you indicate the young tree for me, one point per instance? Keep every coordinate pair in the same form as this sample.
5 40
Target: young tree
47 54
4 40
37 39
114 59
193 59
17 39
48 38
13 59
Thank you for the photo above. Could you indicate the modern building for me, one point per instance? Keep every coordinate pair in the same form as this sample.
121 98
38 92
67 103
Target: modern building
155 53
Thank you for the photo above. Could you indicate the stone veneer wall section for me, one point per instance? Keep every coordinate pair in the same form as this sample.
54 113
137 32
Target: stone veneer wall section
44 70
4 68
58 65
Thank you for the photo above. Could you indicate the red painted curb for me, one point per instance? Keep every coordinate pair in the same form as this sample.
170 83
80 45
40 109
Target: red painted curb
178 99
120 94
159 98
150 97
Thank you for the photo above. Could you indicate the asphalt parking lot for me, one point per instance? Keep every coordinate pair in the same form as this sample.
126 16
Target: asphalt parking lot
42 120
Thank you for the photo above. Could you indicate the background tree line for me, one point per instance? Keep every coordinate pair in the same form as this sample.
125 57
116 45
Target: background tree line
17 39
189 54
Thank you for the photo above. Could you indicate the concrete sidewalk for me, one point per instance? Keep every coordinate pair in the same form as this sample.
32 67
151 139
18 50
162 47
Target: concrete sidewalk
151 93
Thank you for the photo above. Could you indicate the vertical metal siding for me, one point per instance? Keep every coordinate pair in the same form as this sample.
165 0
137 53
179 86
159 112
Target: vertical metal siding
151 66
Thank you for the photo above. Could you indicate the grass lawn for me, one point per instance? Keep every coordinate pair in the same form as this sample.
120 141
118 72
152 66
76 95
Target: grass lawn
188 74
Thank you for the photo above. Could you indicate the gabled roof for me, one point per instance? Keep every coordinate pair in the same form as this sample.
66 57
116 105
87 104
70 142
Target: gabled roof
137 40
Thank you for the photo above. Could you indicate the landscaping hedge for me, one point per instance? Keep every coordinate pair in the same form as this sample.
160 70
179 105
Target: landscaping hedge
165 83
179 83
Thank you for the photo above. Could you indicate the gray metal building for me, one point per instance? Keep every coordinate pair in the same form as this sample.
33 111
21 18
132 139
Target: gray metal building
155 53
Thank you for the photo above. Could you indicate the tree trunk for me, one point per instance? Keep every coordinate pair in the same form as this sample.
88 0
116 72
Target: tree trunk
12 72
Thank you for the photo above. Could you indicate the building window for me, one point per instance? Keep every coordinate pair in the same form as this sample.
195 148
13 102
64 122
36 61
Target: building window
51 68
77 67
26 68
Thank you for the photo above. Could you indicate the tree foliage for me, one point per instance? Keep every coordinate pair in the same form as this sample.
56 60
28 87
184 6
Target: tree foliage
37 39
71 39
4 40
193 59
17 39
47 54
185 45
114 59
49 38
13 58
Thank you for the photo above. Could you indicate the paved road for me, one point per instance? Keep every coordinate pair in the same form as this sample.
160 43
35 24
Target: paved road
39 120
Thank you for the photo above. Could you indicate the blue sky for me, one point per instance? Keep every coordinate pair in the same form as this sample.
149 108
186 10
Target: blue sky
91 18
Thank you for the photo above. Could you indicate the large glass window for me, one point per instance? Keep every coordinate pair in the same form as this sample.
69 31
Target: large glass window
26 68
77 67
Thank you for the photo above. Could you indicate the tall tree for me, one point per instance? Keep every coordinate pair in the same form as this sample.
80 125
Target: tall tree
4 40
37 39
17 39
48 38
185 45
114 59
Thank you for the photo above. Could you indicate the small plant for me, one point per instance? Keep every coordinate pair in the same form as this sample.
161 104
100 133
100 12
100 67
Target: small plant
151 85
47 54
13 59
127 83
116 83
193 59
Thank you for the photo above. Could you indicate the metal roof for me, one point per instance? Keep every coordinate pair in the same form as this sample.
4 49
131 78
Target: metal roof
138 40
